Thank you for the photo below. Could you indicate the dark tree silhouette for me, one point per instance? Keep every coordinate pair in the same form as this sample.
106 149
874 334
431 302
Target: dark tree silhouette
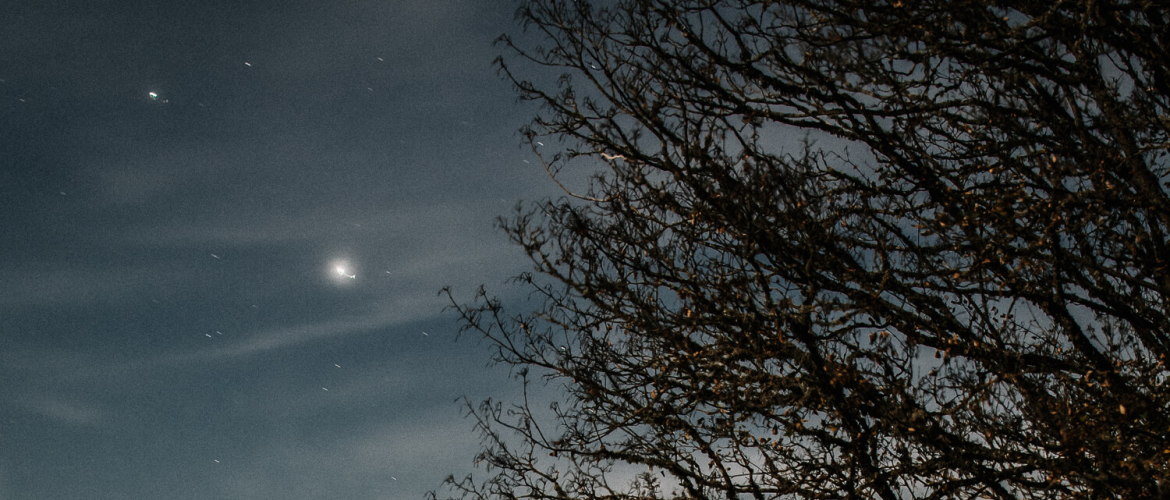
954 286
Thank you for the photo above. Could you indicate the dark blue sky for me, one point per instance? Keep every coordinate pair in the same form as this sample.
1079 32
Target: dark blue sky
181 180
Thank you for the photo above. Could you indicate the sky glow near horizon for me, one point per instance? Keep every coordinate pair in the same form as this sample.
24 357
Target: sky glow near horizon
228 223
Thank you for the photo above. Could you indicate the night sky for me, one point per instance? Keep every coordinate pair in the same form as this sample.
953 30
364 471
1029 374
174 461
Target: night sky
225 225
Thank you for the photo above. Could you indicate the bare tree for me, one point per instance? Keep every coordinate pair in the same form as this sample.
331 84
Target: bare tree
956 286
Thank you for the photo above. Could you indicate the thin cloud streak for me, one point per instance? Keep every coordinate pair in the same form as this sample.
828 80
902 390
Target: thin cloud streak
320 225
393 313
76 285
60 410
380 461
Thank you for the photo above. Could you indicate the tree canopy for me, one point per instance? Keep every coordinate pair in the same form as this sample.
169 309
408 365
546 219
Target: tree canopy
841 249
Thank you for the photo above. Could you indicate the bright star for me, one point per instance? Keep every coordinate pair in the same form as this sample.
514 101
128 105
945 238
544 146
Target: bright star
342 271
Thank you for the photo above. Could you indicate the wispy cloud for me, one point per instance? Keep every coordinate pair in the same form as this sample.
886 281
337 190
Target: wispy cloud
320 223
4 494
64 411
401 460
403 310
51 284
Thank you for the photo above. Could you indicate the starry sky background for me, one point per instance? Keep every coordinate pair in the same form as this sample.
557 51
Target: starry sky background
179 181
